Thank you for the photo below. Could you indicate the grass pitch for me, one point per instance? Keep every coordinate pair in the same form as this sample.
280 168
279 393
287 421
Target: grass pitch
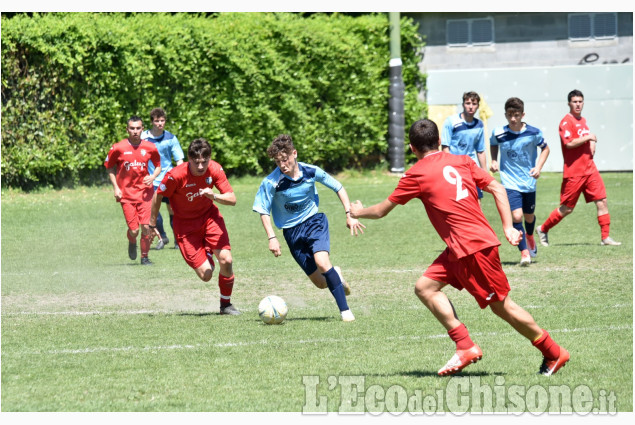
86 329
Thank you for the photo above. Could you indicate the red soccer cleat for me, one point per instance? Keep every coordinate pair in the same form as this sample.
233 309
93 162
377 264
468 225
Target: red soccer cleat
549 367
461 359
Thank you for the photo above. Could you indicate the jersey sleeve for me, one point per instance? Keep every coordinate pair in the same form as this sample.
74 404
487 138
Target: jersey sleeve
481 177
446 133
168 185
565 132
407 189
220 179
492 139
479 143
264 198
155 157
176 150
111 158
327 180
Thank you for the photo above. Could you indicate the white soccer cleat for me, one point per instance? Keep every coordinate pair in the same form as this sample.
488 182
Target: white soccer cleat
543 236
525 258
610 241
347 316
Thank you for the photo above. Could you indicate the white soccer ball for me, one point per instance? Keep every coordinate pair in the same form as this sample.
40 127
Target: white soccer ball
272 310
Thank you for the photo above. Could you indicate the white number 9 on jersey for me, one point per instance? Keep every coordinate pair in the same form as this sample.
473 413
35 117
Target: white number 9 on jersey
453 177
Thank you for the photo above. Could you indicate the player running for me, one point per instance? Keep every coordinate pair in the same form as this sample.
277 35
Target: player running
446 185
520 167
198 224
290 195
580 175
127 163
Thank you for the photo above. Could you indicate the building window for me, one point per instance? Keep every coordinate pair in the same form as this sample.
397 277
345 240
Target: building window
468 32
592 26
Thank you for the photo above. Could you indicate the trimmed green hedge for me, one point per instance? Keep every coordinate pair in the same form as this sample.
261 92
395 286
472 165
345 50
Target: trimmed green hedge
71 80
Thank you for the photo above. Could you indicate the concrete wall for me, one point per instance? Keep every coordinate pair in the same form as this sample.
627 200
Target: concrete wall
608 92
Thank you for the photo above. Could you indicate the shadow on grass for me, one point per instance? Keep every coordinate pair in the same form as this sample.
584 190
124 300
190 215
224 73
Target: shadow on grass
428 373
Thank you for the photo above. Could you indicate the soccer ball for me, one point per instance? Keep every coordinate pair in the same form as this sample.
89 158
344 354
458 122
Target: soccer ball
272 310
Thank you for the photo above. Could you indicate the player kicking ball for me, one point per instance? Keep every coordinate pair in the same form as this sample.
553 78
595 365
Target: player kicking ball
446 185
289 194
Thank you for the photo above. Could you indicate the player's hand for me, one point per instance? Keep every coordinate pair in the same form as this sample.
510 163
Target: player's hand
274 247
118 194
206 191
493 167
514 236
535 173
356 207
147 180
592 145
354 224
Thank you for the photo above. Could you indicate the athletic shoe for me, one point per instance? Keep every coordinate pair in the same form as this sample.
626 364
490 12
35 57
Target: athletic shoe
230 310
549 367
525 258
347 316
347 287
132 250
544 237
461 359
145 261
531 245
160 244
610 241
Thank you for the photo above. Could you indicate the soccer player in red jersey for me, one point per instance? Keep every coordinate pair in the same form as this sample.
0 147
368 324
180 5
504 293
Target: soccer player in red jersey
580 175
127 164
446 185
198 224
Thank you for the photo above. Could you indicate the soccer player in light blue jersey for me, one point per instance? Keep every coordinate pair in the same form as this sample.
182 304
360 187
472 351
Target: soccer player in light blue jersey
170 150
464 134
290 196
520 167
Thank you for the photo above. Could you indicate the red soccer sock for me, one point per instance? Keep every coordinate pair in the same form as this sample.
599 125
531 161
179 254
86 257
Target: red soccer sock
225 284
547 346
554 218
145 246
461 337
605 223
131 238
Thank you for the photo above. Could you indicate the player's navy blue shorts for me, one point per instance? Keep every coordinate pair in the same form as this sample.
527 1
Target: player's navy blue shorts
526 201
479 192
307 238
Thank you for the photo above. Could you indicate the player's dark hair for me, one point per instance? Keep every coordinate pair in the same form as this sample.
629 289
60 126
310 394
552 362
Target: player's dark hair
134 118
471 95
157 113
282 143
199 148
424 136
515 104
574 93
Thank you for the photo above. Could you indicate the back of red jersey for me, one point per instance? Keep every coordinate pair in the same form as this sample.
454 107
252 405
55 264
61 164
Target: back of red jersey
446 184
131 162
577 161
191 209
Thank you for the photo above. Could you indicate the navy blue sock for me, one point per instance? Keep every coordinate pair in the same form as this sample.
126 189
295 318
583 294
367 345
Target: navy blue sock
530 226
337 289
160 225
523 242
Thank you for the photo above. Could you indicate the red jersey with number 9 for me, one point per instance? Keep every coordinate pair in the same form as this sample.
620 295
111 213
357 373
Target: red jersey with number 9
446 185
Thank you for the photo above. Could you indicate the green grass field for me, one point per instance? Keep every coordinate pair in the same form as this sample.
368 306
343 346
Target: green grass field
86 329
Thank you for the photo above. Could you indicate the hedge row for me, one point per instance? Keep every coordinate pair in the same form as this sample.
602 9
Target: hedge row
71 80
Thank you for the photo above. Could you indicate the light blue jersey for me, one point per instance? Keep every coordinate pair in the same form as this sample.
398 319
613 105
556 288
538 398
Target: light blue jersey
463 138
291 202
518 154
169 149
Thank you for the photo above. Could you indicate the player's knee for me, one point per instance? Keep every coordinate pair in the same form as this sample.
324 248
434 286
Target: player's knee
206 274
134 233
565 210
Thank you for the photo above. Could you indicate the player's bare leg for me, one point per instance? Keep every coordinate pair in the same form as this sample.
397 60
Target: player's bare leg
467 352
554 356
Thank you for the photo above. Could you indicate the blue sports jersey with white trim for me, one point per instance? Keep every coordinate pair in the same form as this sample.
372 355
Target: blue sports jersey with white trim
463 138
518 154
291 202
169 149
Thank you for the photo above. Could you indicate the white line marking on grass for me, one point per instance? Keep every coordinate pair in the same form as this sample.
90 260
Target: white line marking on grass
301 341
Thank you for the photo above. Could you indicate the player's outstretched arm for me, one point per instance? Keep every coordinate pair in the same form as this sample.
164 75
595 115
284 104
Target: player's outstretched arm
227 198
274 244
502 205
535 172
374 212
351 222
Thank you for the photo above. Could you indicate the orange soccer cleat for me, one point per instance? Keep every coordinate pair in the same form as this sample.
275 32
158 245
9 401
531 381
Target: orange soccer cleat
461 359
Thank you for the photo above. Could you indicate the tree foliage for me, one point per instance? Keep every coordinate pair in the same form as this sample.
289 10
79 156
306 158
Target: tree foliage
71 80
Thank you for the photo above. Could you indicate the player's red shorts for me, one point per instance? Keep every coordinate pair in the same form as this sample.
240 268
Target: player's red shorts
591 185
195 245
136 214
481 274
